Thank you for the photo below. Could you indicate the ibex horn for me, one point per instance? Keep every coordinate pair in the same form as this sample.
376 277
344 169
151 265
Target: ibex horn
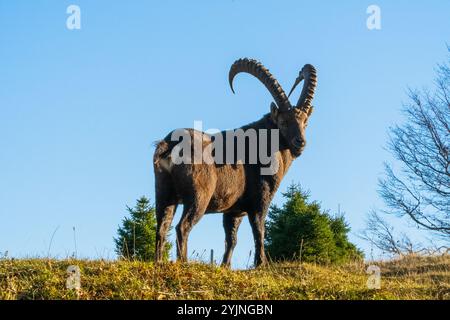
256 69
309 74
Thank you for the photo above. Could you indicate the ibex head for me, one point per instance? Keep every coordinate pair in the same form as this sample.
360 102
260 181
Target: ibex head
290 120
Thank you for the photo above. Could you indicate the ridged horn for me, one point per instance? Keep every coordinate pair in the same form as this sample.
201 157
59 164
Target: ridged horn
309 75
257 70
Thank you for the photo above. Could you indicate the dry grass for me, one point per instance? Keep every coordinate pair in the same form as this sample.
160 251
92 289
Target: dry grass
407 278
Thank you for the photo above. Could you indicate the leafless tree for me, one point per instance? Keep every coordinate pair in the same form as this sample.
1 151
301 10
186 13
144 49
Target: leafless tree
420 187
382 235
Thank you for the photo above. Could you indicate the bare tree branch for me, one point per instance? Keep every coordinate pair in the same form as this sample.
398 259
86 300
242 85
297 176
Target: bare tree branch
380 234
421 188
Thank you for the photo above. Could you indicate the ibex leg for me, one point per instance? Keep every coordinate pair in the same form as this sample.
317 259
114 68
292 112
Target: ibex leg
231 223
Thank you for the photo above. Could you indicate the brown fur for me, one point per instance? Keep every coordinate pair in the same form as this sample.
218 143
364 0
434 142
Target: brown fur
235 190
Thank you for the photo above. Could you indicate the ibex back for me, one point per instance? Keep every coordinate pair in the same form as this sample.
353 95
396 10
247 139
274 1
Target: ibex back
235 189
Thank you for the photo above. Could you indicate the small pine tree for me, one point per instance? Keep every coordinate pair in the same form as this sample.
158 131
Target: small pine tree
302 228
137 236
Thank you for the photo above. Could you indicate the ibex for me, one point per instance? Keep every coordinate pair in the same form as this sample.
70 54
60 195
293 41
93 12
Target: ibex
235 189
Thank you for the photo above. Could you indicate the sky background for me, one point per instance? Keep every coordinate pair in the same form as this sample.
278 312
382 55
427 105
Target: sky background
80 109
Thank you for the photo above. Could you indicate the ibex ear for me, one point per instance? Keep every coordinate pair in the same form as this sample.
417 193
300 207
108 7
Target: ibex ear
274 111
309 111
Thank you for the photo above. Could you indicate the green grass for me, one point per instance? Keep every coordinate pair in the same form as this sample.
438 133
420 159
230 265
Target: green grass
407 278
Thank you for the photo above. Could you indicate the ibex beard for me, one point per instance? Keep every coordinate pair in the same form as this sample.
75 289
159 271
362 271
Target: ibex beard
235 172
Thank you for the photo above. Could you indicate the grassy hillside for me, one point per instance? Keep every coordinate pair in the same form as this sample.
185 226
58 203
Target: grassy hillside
408 278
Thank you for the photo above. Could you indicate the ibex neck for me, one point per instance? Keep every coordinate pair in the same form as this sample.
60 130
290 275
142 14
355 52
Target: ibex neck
266 123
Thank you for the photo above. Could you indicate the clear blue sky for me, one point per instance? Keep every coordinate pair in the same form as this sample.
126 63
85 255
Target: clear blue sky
79 110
